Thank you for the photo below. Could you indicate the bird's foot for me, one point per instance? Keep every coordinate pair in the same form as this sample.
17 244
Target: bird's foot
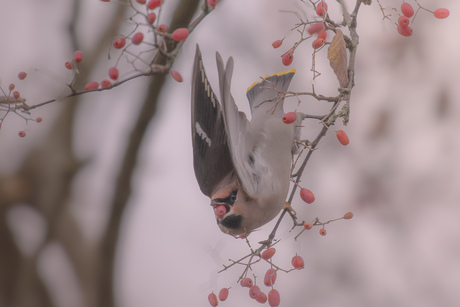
287 206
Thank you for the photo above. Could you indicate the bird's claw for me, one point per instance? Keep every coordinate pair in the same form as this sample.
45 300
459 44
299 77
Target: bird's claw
287 206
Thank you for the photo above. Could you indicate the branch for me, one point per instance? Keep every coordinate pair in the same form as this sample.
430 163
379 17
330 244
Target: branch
350 20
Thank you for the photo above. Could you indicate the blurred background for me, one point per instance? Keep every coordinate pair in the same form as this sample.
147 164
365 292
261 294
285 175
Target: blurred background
99 205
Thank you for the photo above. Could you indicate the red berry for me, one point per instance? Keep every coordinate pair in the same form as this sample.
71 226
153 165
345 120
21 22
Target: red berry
407 9
441 13
403 21
270 277
11 87
343 137
176 76
137 38
220 211
274 298
141 1
22 133
322 231
321 8
315 28
39 119
348 215
254 291
287 58
289 117
153 4
119 42
162 28
106 83
16 95
317 43
277 43
68 65
223 294
78 56
322 34
405 31
212 3
151 18
212 298
307 195
22 75
180 34
91 86
267 254
262 298
297 262
307 226
113 73
246 282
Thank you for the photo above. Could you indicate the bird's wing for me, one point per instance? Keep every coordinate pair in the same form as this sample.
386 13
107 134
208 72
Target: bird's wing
211 154
248 167
254 145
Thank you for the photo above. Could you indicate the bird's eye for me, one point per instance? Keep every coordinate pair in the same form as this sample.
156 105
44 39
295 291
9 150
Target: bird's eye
233 196
229 200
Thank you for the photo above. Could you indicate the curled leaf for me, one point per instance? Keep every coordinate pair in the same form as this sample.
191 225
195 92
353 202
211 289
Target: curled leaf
337 55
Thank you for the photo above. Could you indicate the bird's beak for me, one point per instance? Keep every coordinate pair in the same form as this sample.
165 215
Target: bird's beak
219 202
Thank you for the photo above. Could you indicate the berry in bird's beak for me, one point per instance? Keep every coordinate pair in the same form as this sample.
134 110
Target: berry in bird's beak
220 211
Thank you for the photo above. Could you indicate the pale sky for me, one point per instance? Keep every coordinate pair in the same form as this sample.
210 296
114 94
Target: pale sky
400 174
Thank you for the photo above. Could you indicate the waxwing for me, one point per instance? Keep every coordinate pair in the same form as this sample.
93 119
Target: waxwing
243 166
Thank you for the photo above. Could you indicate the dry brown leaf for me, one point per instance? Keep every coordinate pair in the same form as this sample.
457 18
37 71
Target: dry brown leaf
337 55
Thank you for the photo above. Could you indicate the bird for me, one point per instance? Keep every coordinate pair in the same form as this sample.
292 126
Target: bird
243 166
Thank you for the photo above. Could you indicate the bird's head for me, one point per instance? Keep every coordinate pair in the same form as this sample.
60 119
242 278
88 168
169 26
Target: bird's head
237 214
227 204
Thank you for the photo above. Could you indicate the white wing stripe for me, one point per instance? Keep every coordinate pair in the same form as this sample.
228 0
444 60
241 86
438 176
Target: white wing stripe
202 134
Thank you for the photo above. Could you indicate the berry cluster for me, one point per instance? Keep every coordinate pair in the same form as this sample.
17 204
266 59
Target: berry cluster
307 196
148 13
317 30
93 85
139 48
317 222
13 102
407 13
255 292
147 26
146 20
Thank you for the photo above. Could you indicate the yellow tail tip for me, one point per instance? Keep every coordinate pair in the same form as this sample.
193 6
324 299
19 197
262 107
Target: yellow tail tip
292 70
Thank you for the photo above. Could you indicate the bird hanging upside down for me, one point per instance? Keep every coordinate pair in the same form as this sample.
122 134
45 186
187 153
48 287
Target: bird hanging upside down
243 166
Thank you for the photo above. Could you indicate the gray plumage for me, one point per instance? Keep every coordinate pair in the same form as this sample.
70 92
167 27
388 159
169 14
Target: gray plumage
243 166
